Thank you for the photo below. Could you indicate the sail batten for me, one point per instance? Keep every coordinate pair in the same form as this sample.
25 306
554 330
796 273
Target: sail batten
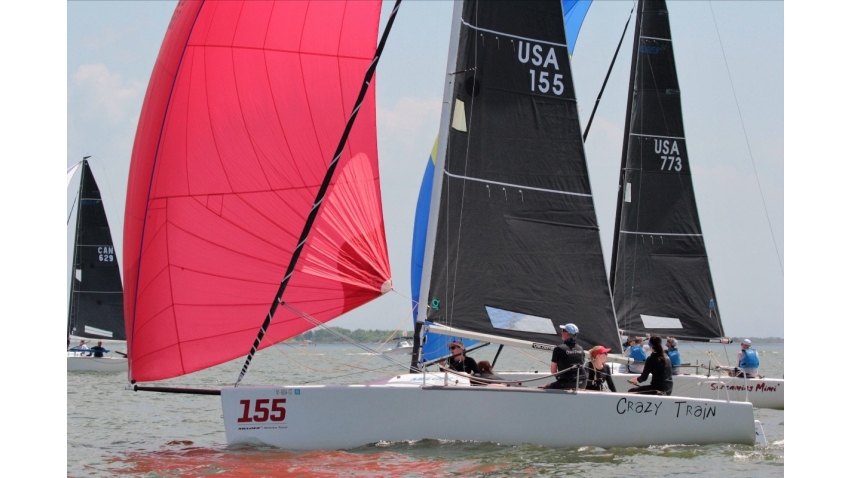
244 112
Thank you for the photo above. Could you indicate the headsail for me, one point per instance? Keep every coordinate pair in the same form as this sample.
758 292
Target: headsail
96 306
660 275
245 107
574 13
517 247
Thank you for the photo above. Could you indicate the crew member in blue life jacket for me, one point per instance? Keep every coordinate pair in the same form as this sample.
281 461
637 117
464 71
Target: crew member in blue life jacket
673 353
568 356
638 353
748 361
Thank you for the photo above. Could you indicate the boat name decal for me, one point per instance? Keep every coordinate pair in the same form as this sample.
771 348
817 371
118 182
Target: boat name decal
683 409
624 405
759 387
541 80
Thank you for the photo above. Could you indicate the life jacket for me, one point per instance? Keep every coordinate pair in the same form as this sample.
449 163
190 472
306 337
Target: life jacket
750 359
675 360
636 352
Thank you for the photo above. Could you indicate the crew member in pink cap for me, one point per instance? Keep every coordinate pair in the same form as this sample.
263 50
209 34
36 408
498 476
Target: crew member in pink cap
598 372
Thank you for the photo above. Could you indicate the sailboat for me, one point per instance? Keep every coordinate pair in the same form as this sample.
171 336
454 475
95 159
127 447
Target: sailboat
96 304
254 214
660 275
403 346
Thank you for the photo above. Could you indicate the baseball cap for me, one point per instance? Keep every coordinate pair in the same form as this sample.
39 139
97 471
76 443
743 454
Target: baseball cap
459 343
598 350
571 328
673 342
746 342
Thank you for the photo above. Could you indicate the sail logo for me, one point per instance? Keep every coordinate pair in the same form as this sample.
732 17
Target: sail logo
543 79
668 151
106 254
650 49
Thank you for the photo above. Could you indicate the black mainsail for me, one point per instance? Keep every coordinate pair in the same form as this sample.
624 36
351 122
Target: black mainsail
96 307
660 275
517 250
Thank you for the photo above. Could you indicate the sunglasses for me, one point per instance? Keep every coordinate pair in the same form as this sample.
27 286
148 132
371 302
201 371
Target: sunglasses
453 347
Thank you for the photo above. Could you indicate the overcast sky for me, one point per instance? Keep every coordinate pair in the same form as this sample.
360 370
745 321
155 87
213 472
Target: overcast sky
730 59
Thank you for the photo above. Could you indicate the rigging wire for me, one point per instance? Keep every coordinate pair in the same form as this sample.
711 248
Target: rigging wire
607 75
747 140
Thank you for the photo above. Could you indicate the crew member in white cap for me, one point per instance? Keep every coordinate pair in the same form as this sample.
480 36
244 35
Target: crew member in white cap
748 360
459 362
568 356
673 353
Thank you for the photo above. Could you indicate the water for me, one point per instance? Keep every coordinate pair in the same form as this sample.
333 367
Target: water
112 431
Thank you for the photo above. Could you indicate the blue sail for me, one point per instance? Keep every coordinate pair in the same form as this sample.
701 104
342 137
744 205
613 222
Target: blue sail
574 13
433 346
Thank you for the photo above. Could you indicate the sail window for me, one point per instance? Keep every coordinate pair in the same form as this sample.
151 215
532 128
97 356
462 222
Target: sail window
655 322
100 332
628 195
507 320
459 117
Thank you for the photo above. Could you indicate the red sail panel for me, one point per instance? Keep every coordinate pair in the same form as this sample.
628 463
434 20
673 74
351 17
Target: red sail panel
246 105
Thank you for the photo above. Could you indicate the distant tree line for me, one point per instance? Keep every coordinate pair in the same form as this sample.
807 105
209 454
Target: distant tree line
322 336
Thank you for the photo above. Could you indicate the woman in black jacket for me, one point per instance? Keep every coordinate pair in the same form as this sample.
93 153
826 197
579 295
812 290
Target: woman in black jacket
658 365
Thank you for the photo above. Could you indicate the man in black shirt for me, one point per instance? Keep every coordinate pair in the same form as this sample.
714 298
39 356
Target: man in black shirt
98 349
459 361
568 356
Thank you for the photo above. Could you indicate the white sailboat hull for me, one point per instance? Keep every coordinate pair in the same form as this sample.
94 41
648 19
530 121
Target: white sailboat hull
761 392
83 363
314 417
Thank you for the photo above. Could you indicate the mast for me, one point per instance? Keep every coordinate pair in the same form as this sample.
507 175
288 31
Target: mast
72 304
623 156
437 184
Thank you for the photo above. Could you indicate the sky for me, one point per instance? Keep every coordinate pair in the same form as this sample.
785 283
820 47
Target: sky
730 58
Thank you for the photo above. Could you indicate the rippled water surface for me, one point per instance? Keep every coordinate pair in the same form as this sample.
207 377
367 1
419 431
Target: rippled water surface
112 431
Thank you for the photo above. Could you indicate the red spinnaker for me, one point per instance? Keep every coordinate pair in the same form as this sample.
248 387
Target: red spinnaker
246 104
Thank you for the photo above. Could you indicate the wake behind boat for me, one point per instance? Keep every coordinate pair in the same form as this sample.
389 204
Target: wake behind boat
280 224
